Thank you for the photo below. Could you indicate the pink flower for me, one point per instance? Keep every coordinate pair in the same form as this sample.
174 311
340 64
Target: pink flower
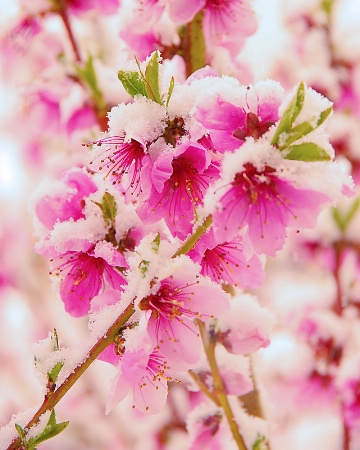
264 203
81 118
104 6
84 274
179 182
229 125
246 326
147 376
142 44
226 22
120 158
69 203
178 299
226 262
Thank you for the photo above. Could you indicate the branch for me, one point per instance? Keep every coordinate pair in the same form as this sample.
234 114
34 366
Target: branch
209 346
52 400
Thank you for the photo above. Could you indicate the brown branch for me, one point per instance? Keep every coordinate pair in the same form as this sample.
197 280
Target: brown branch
50 401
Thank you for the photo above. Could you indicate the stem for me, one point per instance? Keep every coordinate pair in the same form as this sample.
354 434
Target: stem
65 18
190 243
195 49
209 346
52 400
204 387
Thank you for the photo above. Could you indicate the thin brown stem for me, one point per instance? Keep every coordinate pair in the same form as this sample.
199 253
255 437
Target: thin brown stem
203 387
209 347
65 18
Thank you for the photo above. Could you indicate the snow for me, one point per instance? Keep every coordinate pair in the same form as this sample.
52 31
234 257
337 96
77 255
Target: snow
142 120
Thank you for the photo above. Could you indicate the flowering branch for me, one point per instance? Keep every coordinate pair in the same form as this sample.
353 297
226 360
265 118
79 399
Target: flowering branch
51 400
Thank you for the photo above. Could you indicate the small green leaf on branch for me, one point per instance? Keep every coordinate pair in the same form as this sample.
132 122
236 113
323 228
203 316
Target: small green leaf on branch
156 243
291 113
343 220
54 372
132 83
170 91
51 430
152 78
259 444
144 267
307 151
108 207
88 75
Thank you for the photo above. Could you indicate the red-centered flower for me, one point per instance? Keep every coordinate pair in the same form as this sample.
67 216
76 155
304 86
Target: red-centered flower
83 275
179 182
178 299
266 205
226 262
120 158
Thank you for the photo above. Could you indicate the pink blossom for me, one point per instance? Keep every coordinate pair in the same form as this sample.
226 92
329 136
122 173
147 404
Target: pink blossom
226 262
266 204
229 125
81 118
104 6
119 158
179 182
246 326
83 274
226 22
178 299
205 432
67 204
142 44
147 375
351 395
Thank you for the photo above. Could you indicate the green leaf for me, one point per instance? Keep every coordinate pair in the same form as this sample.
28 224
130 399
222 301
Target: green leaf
307 151
108 207
54 372
156 243
51 430
170 91
343 220
144 267
259 444
291 113
152 78
323 116
21 432
296 133
304 128
133 83
88 75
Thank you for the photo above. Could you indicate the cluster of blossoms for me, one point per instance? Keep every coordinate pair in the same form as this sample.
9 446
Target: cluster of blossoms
170 216
180 200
